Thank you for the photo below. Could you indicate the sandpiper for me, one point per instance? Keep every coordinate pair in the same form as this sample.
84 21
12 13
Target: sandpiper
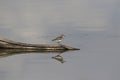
59 38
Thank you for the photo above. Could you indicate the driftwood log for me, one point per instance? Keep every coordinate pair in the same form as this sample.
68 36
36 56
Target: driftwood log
9 44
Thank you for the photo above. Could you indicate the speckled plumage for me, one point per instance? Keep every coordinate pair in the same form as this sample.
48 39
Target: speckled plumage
59 38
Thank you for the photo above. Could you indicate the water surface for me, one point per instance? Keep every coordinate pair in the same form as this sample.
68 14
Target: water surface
92 26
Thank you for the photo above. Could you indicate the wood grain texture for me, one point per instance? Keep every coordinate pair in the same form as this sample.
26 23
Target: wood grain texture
9 44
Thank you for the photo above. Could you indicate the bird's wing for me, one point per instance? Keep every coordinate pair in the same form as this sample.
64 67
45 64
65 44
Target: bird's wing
57 38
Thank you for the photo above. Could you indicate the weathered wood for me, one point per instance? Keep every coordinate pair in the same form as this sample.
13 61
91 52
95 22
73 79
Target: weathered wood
9 44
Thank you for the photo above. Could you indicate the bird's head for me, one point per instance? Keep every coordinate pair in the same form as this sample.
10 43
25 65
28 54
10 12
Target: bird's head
63 35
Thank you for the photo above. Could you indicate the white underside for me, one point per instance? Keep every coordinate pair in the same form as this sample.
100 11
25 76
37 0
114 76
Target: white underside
58 40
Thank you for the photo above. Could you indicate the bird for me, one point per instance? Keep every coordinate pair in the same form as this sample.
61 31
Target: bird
59 38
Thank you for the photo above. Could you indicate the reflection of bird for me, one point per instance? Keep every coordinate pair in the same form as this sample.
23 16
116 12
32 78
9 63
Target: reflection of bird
59 58
59 38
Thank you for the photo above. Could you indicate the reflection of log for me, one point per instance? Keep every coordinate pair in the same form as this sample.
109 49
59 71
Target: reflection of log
9 44
10 52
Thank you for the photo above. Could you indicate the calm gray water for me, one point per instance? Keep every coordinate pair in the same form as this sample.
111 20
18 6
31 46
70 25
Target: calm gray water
93 26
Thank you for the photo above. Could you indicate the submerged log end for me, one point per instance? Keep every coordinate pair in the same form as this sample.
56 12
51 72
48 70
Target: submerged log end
68 47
